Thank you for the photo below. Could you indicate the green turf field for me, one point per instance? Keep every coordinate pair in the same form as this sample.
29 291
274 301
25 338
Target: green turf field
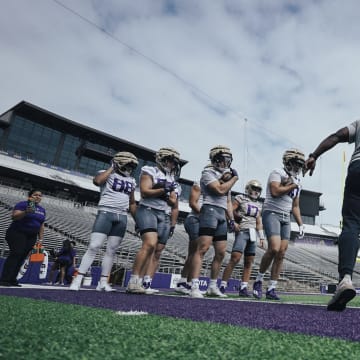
38 329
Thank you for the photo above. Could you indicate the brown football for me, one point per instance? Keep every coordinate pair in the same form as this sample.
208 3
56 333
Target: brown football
226 177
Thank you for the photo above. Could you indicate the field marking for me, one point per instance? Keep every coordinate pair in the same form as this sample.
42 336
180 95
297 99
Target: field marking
131 313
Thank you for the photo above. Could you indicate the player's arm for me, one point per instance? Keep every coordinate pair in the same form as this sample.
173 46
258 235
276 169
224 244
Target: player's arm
260 229
230 215
132 204
194 198
296 211
342 135
101 177
278 189
146 187
174 214
173 218
234 207
172 199
220 188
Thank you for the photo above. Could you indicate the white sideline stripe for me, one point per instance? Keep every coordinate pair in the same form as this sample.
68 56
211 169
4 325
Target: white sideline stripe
49 287
131 313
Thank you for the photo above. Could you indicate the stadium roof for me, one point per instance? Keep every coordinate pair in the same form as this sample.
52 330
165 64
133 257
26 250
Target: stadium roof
48 118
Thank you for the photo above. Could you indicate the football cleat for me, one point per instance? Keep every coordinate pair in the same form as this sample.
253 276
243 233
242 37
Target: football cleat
257 289
148 289
271 295
76 283
244 293
214 291
104 287
196 293
183 288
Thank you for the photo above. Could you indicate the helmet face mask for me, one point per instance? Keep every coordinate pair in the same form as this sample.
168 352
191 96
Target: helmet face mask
221 157
125 163
294 161
168 161
253 189
128 169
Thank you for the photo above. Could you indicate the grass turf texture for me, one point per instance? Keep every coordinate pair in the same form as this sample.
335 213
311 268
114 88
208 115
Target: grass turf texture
38 329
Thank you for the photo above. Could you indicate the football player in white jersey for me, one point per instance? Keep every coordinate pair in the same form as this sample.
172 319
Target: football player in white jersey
349 237
156 213
282 197
248 226
117 197
214 212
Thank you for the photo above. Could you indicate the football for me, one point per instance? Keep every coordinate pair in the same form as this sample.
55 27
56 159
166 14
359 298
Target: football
226 177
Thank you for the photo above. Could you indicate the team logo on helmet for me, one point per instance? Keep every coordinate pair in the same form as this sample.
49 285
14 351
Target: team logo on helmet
253 189
164 156
294 161
125 162
219 154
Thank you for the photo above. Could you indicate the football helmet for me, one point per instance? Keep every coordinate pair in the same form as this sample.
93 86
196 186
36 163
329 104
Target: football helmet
294 161
125 163
253 189
162 158
219 154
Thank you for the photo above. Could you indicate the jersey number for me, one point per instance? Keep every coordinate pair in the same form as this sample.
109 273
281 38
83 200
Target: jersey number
252 210
122 186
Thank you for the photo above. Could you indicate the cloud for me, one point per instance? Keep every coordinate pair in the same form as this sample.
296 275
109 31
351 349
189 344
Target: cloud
189 74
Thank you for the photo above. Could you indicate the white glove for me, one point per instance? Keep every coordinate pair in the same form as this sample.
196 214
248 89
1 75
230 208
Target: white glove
301 231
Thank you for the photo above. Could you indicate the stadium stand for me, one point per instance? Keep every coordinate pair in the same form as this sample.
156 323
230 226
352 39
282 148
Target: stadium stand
64 173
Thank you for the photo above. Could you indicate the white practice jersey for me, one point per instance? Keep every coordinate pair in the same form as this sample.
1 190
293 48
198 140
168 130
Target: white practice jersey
282 203
158 177
354 136
115 193
248 211
208 176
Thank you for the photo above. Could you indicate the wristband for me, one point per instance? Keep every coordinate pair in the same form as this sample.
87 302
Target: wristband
261 234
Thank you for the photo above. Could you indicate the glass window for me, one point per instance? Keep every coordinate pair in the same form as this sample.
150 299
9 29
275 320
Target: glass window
33 140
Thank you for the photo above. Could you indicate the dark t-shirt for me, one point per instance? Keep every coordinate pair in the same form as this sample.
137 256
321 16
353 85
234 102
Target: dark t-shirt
66 256
31 222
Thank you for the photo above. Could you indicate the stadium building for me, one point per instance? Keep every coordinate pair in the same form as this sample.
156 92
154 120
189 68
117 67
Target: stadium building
44 150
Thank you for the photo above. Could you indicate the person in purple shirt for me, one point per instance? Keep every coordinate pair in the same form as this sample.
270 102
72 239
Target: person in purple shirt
64 259
24 231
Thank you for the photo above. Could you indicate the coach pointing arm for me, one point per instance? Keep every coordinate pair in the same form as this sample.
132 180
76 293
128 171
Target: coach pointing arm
340 136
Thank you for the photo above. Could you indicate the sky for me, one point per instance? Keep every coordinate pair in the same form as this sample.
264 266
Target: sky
257 76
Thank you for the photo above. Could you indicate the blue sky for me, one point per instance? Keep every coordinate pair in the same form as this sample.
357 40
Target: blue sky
258 76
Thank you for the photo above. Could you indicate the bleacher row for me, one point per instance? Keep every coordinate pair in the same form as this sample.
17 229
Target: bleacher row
305 266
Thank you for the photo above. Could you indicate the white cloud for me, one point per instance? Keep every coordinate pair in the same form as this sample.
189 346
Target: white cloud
187 74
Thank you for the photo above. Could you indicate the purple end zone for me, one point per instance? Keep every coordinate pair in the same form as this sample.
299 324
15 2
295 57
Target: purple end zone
302 319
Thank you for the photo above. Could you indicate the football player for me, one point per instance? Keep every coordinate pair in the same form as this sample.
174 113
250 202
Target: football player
282 197
349 237
117 197
156 216
214 212
191 225
248 227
